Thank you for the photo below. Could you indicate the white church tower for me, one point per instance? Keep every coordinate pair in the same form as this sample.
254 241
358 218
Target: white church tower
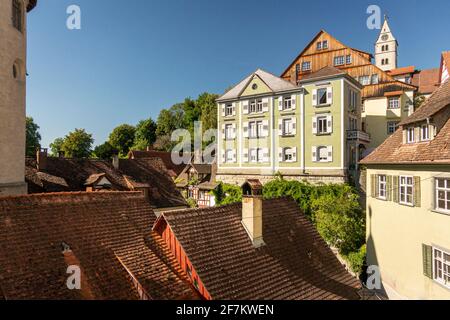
386 48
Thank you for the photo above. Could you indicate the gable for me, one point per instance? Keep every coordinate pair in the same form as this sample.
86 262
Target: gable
255 82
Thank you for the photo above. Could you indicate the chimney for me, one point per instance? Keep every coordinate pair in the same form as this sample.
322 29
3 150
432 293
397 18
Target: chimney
41 159
115 161
252 211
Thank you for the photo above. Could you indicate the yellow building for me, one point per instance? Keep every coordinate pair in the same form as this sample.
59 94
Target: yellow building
408 204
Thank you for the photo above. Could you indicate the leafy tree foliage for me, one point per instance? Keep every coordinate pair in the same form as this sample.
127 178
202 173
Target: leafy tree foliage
56 146
145 134
418 100
227 194
77 144
122 138
105 151
33 137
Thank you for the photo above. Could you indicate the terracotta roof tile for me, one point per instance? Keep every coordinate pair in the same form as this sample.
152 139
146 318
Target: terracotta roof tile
426 80
166 157
294 263
401 71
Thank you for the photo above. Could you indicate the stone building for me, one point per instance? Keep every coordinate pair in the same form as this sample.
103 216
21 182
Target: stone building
13 57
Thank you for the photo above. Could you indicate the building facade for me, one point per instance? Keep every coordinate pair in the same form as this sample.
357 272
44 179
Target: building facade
408 204
269 126
13 48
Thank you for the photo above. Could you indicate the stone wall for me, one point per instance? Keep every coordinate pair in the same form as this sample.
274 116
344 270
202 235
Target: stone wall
314 179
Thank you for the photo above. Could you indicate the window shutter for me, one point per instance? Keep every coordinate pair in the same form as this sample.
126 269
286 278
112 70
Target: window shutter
280 154
245 107
314 97
330 154
294 154
280 127
265 155
223 156
377 186
234 131
373 185
389 188
234 155
280 103
329 124
223 109
417 192
395 189
265 132
245 130
224 137
294 101
314 153
265 102
314 125
294 126
329 95
427 256
245 155
234 108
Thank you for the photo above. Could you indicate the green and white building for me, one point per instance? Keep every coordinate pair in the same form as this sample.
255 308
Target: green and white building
269 126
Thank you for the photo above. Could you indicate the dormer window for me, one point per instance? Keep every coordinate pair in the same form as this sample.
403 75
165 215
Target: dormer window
394 103
425 133
410 135
17 15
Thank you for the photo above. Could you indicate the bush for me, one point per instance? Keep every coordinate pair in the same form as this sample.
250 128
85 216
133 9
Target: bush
356 260
227 194
191 203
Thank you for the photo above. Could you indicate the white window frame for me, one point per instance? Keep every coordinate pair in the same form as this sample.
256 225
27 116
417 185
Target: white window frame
348 59
318 96
410 135
319 45
392 126
374 79
287 103
364 80
306 65
324 125
228 131
425 129
255 129
438 259
394 103
339 60
228 109
229 155
287 123
382 187
318 154
288 154
403 186
325 44
446 199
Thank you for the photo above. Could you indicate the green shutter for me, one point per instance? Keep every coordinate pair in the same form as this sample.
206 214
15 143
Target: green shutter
395 189
389 188
417 192
373 184
427 255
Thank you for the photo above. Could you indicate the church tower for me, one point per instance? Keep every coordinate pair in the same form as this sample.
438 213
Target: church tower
13 49
386 48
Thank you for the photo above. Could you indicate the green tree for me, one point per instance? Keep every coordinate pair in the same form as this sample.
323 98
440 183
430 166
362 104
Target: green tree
78 144
170 120
33 137
56 146
208 107
227 194
122 138
105 151
145 134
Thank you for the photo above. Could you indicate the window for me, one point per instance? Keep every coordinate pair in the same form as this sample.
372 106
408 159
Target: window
382 187
229 109
408 79
325 44
443 194
288 154
339 60
364 80
256 106
255 129
256 155
322 96
348 59
319 45
441 267
17 15
228 131
297 68
386 61
306 66
353 99
322 126
392 126
410 135
287 127
229 155
287 103
394 103
374 79
406 190
424 133
322 153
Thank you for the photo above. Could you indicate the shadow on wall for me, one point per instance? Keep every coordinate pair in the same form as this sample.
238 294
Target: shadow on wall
376 126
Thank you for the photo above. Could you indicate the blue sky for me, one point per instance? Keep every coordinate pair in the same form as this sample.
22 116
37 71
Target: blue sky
132 58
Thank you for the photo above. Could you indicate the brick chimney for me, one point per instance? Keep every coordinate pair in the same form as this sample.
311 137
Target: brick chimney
115 161
41 159
252 211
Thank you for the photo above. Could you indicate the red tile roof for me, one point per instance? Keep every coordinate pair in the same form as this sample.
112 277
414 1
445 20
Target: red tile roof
109 236
427 80
166 157
401 71
294 263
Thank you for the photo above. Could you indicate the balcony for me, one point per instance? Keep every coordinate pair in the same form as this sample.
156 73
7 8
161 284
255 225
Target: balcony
358 135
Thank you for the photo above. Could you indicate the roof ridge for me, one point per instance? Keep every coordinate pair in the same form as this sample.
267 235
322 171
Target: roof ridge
66 194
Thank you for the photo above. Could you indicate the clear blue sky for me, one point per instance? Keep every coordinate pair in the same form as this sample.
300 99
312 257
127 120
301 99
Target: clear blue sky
132 58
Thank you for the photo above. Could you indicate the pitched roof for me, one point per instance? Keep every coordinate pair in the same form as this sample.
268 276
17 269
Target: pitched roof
166 157
436 151
401 71
63 175
276 84
328 71
426 80
294 263
108 235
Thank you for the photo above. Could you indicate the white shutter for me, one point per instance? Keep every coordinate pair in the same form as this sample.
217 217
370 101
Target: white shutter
280 127
223 132
265 130
294 154
245 107
314 153
265 103
329 124
233 135
294 126
223 109
280 103
234 155
293 101
314 125
245 155
222 152
314 97
265 155
280 154
329 95
245 130
234 108
330 154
